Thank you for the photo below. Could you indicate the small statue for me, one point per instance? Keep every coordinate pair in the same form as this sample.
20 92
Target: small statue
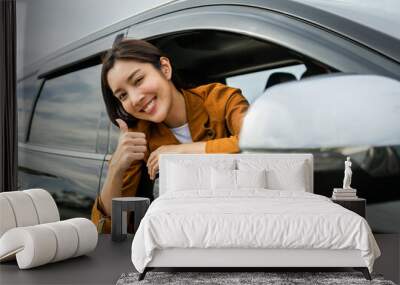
347 174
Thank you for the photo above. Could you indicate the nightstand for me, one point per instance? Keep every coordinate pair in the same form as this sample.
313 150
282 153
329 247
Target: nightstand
357 205
121 206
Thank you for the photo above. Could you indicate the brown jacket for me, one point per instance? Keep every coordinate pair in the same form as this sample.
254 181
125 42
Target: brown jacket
215 113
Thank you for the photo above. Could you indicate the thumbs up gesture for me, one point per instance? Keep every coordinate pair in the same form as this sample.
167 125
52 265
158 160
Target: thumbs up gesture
131 146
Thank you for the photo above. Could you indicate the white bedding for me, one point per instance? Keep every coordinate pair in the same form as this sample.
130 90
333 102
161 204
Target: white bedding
251 218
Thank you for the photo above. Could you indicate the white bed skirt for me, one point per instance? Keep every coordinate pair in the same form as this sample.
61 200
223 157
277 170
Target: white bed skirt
235 257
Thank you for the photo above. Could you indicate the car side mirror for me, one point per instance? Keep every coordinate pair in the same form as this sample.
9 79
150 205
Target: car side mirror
327 111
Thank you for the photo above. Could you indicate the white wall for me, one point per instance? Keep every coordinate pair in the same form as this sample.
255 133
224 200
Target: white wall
44 26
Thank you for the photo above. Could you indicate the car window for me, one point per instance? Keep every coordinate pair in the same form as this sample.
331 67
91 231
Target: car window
254 84
68 111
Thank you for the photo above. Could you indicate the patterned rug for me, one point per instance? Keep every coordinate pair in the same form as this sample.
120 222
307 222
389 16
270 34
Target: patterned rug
240 278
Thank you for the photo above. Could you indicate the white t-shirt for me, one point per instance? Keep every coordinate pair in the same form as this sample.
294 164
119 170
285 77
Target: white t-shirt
182 133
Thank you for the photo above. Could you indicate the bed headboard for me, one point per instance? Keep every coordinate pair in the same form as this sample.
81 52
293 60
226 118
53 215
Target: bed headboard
284 168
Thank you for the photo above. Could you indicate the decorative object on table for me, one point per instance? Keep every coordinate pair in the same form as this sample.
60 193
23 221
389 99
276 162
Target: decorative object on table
121 207
347 174
32 233
345 193
357 205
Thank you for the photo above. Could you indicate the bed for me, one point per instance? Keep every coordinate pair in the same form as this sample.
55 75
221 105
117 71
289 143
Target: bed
247 210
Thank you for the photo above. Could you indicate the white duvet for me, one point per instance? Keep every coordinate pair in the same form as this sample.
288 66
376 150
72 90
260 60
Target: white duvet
253 218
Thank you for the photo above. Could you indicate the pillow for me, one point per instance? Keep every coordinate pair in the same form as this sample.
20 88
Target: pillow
293 179
190 175
251 178
223 179
237 179
281 174
183 178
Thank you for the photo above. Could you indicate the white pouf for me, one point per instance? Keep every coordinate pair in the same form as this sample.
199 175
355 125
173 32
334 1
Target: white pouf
26 208
31 231
40 244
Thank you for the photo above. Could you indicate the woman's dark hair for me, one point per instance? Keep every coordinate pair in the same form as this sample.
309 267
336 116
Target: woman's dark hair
129 49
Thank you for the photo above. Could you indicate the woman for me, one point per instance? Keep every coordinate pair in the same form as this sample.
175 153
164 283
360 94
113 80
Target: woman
155 114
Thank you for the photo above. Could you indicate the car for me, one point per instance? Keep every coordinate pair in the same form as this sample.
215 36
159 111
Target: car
65 137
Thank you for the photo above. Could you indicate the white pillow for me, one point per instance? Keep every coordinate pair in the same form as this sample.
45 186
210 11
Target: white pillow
237 179
190 175
251 178
282 174
223 179
183 178
292 179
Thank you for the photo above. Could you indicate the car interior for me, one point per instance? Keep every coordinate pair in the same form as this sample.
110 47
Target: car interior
206 56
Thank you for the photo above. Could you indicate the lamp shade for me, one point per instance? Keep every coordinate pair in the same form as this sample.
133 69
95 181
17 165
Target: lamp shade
325 111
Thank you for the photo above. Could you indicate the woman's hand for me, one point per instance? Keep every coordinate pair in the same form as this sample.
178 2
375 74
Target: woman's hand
131 146
152 162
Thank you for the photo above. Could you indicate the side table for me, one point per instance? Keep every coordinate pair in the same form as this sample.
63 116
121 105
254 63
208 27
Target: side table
119 215
357 205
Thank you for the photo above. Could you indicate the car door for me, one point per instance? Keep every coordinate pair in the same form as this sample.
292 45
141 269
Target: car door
66 139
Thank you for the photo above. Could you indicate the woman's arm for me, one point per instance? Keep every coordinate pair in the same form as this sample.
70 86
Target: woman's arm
124 172
235 110
130 150
196 147
153 161
111 189
115 186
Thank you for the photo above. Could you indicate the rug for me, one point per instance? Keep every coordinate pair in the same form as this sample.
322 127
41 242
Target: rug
240 278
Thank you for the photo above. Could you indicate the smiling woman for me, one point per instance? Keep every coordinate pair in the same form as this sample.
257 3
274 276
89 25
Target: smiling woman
156 114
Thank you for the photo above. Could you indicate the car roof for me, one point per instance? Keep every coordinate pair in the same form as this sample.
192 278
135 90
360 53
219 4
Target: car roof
383 16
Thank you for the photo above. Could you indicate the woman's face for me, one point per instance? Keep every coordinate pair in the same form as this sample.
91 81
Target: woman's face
144 91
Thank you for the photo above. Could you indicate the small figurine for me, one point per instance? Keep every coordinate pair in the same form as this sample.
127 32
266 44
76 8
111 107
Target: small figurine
347 174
